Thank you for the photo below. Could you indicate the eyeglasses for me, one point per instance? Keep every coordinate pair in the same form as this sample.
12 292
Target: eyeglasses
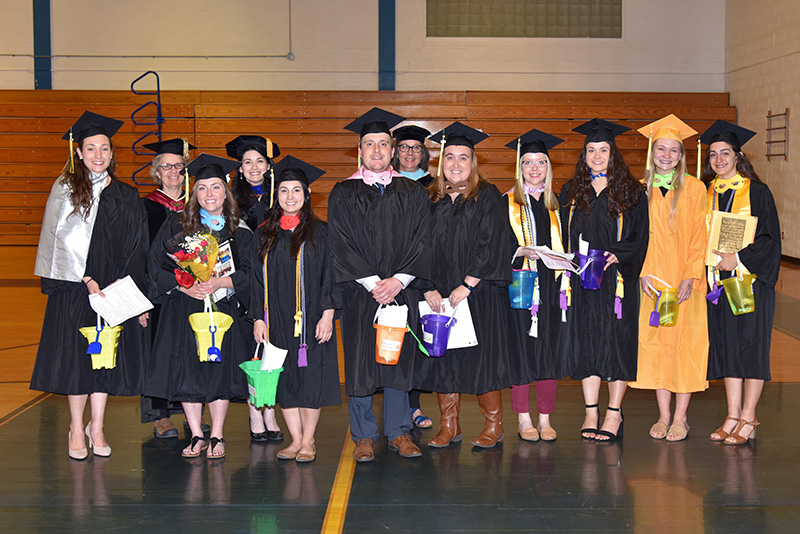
538 163
170 166
416 149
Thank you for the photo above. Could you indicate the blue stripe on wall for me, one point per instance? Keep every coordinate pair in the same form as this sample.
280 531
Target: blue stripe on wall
386 45
42 66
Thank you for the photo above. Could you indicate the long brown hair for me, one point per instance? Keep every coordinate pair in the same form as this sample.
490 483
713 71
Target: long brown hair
304 231
436 190
190 217
80 184
743 165
624 191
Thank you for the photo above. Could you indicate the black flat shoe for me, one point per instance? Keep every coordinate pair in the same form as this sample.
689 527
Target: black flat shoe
611 436
260 436
274 435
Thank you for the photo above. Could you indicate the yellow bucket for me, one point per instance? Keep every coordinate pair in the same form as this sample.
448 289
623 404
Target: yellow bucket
739 291
109 339
388 344
668 306
201 324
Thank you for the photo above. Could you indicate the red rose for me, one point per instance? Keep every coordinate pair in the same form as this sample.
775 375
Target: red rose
203 243
183 278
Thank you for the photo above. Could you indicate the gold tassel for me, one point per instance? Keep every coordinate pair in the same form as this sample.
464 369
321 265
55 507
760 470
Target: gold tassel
699 169
441 155
649 164
186 171
517 172
271 173
298 316
359 154
71 152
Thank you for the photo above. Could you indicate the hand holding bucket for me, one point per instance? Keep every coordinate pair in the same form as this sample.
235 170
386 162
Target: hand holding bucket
391 327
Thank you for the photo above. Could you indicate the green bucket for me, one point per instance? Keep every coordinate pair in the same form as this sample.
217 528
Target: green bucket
262 385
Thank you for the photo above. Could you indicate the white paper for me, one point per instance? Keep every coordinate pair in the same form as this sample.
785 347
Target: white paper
462 333
273 357
583 246
557 261
122 301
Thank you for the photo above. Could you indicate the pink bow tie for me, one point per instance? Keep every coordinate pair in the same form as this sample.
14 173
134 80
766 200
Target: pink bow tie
371 178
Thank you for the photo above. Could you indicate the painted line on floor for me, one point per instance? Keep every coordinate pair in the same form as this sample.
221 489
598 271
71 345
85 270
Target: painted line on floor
24 408
340 493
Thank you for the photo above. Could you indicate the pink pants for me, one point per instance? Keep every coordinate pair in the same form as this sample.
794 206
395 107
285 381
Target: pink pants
545 397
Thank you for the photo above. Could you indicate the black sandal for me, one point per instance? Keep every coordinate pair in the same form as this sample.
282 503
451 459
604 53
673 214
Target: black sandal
611 436
190 448
210 452
590 430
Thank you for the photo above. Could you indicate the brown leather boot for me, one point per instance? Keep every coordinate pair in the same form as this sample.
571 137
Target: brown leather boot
491 404
449 429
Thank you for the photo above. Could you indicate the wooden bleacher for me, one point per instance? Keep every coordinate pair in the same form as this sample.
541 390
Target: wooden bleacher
309 125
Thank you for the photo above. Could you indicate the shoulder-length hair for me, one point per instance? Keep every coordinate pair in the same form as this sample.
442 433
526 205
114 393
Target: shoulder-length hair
743 165
190 217
80 183
436 189
550 199
154 167
678 181
623 190
303 232
424 162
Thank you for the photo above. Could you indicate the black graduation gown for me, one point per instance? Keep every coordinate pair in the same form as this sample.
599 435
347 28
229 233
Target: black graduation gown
473 238
175 371
426 180
118 248
377 234
599 343
256 213
739 345
542 356
317 384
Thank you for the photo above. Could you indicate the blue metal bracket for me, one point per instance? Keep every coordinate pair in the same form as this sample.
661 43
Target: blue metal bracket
159 120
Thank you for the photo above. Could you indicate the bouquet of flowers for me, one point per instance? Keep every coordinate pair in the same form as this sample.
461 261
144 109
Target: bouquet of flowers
196 255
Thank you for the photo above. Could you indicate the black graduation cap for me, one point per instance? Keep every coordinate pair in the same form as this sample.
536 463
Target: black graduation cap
237 147
376 120
90 124
458 134
734 135
207 166
411 132
170 146
599 130
535 141
291 168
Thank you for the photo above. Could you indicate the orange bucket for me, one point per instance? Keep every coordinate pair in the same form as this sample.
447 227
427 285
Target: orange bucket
388 343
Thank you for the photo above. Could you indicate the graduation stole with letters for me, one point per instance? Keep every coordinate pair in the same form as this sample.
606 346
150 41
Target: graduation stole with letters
740 206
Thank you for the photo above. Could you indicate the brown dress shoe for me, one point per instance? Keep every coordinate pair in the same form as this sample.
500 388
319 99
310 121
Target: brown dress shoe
405 446
449 428
363 451
164 429
491 405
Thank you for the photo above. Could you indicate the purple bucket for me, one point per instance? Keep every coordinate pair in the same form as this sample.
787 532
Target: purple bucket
592 276
435 333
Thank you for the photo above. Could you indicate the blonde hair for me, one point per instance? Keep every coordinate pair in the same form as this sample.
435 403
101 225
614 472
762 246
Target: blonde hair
550 199
677 181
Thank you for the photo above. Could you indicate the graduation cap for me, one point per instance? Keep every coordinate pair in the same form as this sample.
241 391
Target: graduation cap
734 135
533 142
376 120
90 124
206 166
170 146
670 127
291 168
264 146
411 132
456 134
599 130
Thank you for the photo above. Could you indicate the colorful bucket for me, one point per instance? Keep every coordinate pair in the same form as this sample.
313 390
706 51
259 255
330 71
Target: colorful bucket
109 340
521 289
668 306
388 344
592 275
261 385
436 333
739 290
201 324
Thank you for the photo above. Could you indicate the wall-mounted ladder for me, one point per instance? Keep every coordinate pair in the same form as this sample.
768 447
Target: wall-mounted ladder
778 135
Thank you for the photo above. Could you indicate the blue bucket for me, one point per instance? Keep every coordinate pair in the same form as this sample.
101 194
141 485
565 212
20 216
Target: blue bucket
521 289
436 333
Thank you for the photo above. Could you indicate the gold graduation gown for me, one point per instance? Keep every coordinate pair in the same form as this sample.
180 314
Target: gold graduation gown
676 358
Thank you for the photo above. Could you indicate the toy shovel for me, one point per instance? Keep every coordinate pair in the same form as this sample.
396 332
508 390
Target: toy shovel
95 347
655 317
214 354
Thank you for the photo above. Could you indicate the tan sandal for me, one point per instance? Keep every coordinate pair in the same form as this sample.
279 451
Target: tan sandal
736 437
720 432
286 454
189 451
679 431
657 428
216 449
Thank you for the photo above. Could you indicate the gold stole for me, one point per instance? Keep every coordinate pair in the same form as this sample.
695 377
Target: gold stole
515 215
741 206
